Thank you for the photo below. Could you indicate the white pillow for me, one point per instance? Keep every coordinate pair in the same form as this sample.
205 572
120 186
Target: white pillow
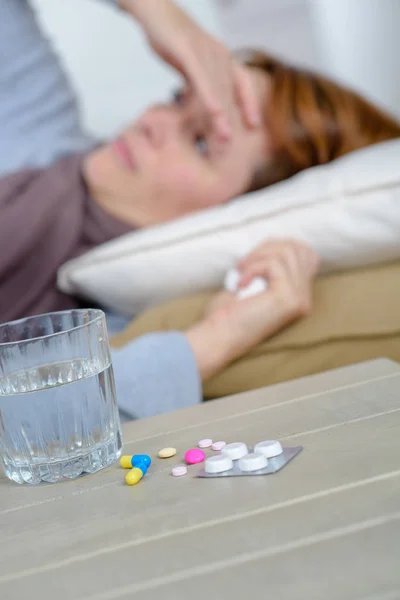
348 211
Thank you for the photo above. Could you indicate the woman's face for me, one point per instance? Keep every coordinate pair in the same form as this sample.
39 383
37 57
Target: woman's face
168 163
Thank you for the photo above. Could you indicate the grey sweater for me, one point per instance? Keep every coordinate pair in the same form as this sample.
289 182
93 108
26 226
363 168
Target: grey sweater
46 218
46 215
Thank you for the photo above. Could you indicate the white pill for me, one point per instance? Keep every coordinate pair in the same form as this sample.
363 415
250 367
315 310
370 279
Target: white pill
218 464
217 446
253 462
206 443
258 285
179 471
235 451
231 281
269 448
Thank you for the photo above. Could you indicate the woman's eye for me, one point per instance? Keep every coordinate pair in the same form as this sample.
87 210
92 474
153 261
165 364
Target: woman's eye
178 97
201 146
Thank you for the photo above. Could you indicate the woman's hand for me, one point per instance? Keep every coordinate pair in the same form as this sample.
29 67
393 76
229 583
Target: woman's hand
215 76
299 261
232 327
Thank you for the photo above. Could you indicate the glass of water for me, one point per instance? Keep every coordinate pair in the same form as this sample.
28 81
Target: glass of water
58 411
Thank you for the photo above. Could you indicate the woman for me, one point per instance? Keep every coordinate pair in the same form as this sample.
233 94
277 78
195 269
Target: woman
47 214
206 147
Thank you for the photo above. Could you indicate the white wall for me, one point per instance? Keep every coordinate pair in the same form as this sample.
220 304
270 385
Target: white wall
112 69
282 27
355 41
359 41
116 75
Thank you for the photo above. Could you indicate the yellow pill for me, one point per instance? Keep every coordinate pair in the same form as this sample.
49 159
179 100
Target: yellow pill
125 462
167 453
134 476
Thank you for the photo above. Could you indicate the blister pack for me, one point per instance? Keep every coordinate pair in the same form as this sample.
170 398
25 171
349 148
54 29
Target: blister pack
237 460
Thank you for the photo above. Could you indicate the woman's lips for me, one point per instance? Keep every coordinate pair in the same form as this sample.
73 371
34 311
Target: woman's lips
124 153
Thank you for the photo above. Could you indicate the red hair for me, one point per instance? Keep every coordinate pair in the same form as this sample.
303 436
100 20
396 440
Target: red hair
312 120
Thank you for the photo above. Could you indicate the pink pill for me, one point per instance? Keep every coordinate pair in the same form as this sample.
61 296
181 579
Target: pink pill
179 471
218 446
207 443
194 456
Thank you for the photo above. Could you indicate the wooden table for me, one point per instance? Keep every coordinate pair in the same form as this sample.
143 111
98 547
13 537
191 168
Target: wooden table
326 527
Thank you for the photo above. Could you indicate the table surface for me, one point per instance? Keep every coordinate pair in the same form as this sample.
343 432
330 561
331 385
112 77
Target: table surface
326 526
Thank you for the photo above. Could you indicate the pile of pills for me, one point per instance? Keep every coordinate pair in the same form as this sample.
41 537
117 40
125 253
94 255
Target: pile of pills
194 456
232 459
138 464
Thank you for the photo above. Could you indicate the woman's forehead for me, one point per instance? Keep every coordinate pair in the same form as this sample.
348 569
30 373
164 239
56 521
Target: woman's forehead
194 108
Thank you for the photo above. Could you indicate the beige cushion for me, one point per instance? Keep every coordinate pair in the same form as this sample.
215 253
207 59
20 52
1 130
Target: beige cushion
356 317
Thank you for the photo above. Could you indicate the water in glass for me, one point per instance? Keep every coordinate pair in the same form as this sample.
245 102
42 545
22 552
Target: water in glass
59 420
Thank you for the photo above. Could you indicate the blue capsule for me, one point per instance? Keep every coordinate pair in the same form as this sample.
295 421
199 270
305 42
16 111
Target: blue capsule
141 459
141 466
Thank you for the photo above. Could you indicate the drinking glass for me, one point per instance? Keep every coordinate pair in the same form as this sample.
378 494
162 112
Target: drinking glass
58 410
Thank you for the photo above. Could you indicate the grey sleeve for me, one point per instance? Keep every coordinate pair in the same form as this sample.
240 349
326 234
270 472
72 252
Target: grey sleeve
154 374
39 116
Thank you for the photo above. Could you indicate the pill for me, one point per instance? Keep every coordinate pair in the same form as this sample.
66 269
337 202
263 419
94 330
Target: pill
218 464
144 459
134 476
194 456
206 443
253 462
235 451
179 471
125 462
217 446
167 453
269 448
140 465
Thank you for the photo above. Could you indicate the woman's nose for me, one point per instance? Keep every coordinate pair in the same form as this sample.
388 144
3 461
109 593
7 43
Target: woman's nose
158 125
